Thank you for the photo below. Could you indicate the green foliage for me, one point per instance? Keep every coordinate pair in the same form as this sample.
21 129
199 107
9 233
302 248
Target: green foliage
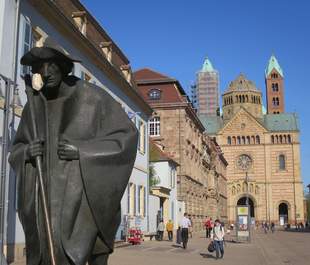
152 174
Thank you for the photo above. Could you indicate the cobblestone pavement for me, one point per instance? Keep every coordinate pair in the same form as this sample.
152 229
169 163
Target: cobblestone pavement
280 248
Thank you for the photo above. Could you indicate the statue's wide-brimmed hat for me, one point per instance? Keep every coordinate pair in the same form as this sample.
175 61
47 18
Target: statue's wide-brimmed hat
50 50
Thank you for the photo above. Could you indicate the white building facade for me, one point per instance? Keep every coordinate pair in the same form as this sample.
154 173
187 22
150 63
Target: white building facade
103 64
164 204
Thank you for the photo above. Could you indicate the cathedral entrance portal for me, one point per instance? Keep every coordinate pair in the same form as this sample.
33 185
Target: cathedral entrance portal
283 213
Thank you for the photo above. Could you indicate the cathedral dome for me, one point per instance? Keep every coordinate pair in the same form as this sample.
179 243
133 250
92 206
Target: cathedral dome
241 93
241 83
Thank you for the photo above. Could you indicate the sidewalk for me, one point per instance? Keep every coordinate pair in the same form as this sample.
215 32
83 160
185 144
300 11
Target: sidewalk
280 248
265 249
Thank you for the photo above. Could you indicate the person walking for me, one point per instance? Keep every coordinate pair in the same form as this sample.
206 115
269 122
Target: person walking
217 236
185 225
169 228
265 227
179 235
211 225
206 227
272 227
161 229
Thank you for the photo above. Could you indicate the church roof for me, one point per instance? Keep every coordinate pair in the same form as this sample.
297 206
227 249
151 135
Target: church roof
272 122
273 64
241 83
212 124
281 122
207 66
149 74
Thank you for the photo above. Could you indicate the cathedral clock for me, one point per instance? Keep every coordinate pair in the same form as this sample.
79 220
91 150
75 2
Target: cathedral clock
244 162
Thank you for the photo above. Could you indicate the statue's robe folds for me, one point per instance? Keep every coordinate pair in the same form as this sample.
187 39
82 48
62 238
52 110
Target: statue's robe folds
83 195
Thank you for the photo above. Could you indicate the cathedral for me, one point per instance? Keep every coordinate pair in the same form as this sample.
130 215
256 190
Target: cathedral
262 149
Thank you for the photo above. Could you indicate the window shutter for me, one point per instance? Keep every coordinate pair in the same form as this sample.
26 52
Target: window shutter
144 205
138 127
128 198
138 201
27 42
142 136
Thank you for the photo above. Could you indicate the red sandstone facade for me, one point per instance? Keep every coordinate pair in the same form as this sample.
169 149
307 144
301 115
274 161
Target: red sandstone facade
275 93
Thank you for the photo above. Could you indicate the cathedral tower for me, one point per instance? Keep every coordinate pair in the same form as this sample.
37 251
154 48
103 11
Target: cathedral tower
241 93
274 87
206 91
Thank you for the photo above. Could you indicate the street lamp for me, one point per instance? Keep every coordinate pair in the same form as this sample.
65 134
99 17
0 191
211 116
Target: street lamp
247 204
245 162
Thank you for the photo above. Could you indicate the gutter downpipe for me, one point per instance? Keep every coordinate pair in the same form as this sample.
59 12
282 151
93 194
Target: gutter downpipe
5 139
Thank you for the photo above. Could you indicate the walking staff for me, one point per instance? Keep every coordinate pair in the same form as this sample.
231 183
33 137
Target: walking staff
38 160
87 147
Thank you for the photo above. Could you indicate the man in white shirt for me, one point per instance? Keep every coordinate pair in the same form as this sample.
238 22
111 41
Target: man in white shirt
217 236
185 224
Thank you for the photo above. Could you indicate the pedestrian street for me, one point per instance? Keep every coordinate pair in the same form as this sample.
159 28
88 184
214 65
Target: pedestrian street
289 248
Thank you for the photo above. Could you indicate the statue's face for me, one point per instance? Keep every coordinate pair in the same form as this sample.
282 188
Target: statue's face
50 72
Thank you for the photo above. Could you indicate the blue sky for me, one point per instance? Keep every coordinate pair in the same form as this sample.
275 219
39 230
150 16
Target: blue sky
173 37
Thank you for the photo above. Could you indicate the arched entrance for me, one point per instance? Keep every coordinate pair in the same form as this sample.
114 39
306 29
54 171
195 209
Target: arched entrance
242 202
283 213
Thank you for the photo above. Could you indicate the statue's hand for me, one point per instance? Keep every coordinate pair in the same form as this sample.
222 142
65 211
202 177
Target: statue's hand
67 151
34 149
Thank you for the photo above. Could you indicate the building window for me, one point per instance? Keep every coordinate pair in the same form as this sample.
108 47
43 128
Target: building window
80 19
248 140
155 126
281 162
238 140
132 199
275 101
275 87
85 76
154 94
229 140
257 139
289 140
173 175
272 139
141 200
141 128
27 41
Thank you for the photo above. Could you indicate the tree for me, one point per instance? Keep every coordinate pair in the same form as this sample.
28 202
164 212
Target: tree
152 173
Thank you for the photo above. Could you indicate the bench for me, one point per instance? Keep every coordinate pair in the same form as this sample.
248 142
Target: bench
150 235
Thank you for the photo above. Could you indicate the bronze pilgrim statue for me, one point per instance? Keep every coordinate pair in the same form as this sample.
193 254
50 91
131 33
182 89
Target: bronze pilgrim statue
78 139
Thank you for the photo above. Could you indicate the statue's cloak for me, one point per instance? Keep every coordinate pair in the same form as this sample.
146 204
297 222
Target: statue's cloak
83 195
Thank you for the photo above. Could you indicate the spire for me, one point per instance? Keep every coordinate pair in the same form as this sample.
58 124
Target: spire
207 66
273 64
